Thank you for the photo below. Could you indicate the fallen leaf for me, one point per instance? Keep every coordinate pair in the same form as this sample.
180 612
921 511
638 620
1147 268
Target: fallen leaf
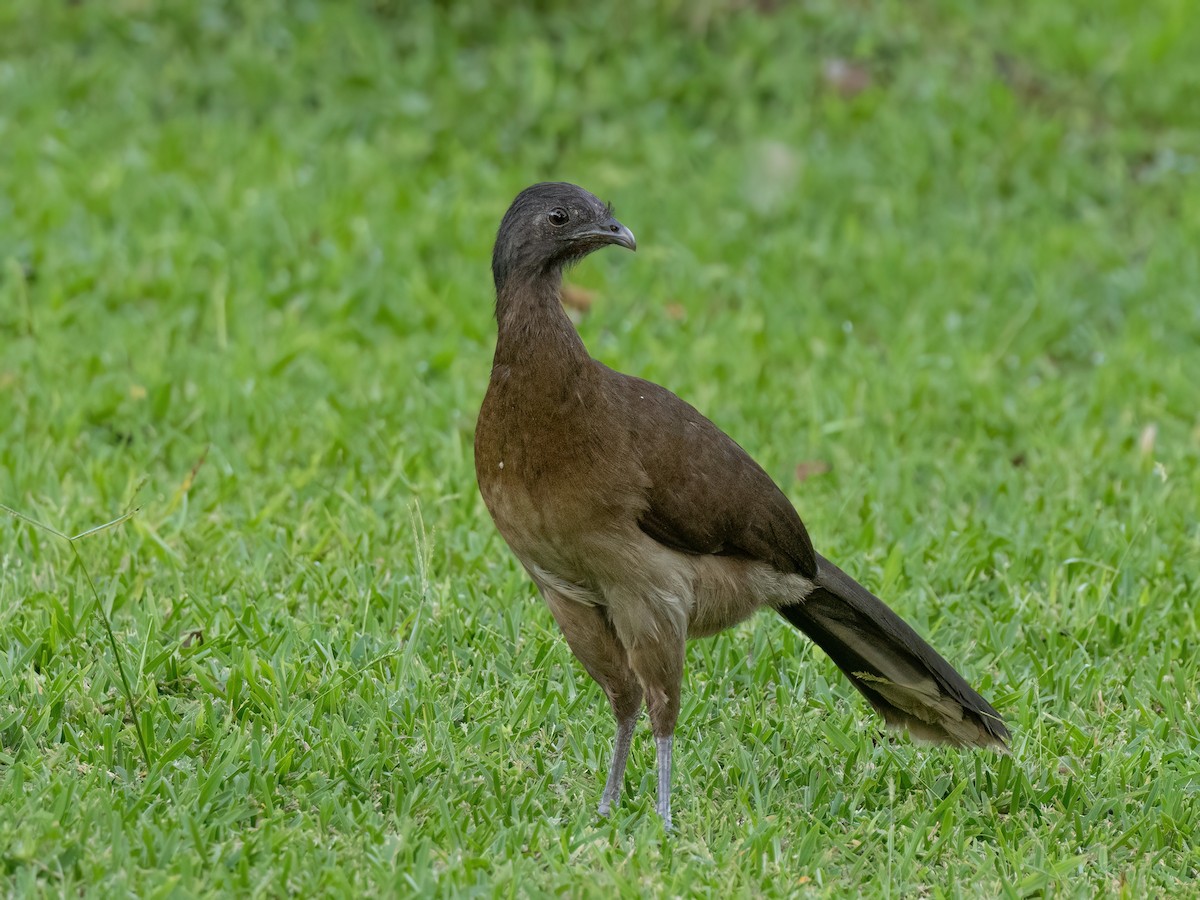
577 298
195 636
848 79
809 468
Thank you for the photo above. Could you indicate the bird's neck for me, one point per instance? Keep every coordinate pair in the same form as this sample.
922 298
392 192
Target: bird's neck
532 326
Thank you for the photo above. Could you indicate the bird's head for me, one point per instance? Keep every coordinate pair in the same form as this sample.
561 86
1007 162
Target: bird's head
549 226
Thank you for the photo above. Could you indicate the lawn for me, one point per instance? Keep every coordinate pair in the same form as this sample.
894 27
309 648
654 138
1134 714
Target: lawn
935 266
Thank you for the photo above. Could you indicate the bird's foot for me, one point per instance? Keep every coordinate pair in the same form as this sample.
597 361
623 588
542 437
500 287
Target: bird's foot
664 813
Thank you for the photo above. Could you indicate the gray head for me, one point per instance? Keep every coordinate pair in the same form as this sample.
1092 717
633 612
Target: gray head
549 226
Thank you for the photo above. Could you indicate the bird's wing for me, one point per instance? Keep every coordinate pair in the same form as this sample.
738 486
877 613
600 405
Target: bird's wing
705 494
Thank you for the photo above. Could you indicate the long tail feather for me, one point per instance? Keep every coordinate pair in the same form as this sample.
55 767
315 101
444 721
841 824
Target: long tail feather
901 676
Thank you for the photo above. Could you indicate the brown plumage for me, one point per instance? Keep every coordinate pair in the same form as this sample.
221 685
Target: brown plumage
643 524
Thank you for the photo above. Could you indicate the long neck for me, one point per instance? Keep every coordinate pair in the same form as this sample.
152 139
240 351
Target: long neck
533 328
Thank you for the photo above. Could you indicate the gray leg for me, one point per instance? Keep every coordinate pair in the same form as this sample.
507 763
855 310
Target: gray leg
616 772
664 779
595 644
659 666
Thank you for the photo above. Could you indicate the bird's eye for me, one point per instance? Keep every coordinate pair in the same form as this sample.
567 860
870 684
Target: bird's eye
558 217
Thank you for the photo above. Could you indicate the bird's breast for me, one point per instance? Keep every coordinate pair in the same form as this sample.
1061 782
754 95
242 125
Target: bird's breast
547 462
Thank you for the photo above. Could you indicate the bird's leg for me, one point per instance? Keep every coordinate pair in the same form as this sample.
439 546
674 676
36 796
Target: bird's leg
595 644
616 772
664 778
659 666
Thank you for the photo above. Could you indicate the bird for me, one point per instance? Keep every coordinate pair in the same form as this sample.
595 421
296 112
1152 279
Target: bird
643 525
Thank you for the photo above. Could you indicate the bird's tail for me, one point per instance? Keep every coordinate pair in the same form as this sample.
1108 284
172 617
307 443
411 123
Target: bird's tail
904 678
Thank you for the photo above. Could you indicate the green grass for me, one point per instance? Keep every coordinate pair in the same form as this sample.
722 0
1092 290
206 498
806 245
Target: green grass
244 288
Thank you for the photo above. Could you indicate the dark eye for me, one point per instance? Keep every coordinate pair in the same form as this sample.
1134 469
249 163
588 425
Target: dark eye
558 217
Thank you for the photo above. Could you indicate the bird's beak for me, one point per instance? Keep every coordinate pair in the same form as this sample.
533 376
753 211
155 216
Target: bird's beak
611 231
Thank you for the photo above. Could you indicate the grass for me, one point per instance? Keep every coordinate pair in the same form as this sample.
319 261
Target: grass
244 289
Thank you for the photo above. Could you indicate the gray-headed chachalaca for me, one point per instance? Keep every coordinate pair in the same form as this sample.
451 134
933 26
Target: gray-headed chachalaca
644 525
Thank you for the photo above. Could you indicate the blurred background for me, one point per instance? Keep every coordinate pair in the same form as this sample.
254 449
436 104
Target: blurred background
932 263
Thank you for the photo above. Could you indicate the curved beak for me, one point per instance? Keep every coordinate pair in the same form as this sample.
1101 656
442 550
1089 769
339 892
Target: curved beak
611 231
